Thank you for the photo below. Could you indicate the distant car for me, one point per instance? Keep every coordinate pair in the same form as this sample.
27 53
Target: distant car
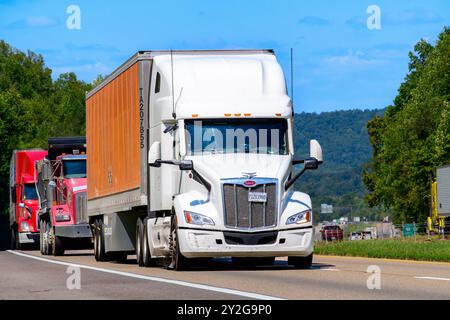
332 232
356 236
368 235
361 235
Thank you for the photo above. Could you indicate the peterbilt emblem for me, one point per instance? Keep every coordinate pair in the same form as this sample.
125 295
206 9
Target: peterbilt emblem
249 183
249 175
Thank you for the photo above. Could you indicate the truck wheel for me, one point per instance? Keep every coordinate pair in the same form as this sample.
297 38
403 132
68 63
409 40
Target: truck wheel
146 256
13 240
301 262
58 246
47 246
139 240
17 237
99 242
41 236
95 236
179 262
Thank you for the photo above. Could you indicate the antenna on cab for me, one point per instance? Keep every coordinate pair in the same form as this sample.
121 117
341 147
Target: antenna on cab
292 80
174 115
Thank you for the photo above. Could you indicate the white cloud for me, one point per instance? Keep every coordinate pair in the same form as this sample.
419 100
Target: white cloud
91 68
354 58
34 22
41 22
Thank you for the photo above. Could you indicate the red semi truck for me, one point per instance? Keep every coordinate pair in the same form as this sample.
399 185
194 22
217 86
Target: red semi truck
24 204
62 190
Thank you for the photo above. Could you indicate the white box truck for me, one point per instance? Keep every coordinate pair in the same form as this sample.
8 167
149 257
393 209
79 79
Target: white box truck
191 155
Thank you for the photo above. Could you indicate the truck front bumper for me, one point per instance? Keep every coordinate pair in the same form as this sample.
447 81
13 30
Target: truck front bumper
74 231
28 237
197 243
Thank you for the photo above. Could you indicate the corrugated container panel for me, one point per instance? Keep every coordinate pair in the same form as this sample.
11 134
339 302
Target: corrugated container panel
443 190
113 136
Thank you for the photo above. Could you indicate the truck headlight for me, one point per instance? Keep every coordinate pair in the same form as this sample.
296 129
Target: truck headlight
24 226
198 219
62 218
299 218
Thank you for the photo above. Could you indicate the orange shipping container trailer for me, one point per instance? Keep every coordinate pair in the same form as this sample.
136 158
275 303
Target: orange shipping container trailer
117 123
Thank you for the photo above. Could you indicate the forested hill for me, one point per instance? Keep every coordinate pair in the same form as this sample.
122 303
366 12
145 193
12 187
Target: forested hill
345 143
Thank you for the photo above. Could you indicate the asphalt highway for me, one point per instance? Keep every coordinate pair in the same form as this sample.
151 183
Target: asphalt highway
29 275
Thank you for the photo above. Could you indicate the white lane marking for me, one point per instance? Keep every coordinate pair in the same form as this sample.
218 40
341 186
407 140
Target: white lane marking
245 294
328 269
433 278
323 269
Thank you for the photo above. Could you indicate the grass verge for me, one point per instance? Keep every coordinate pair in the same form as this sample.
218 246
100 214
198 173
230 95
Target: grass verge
404 249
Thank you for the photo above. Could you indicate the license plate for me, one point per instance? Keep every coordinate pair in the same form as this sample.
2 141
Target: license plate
257 197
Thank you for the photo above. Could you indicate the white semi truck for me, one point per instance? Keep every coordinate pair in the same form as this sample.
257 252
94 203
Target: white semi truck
191 155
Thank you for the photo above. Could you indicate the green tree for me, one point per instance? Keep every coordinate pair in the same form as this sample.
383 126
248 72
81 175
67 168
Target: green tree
34 108
412 138
346 148
70 109
24 80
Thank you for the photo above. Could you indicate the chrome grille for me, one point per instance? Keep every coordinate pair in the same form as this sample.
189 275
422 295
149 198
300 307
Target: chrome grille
81 207
242 214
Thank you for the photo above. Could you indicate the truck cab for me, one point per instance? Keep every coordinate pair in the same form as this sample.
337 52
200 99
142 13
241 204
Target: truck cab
71 185
63 186
24 205
226 164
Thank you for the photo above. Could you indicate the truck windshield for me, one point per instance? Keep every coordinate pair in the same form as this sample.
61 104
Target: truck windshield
263 136
74 169
29 192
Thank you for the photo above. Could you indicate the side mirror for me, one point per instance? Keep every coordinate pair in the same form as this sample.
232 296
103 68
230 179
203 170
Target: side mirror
315 151
154 154
311 164
186 165
22 205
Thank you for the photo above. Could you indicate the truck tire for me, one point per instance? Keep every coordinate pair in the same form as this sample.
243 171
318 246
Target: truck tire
303 263
13 240
139 241
95 238
41 236
58 246
179 262
47 246
99 242
17 237
146 255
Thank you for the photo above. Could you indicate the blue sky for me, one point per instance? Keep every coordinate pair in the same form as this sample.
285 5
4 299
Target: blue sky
339 62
